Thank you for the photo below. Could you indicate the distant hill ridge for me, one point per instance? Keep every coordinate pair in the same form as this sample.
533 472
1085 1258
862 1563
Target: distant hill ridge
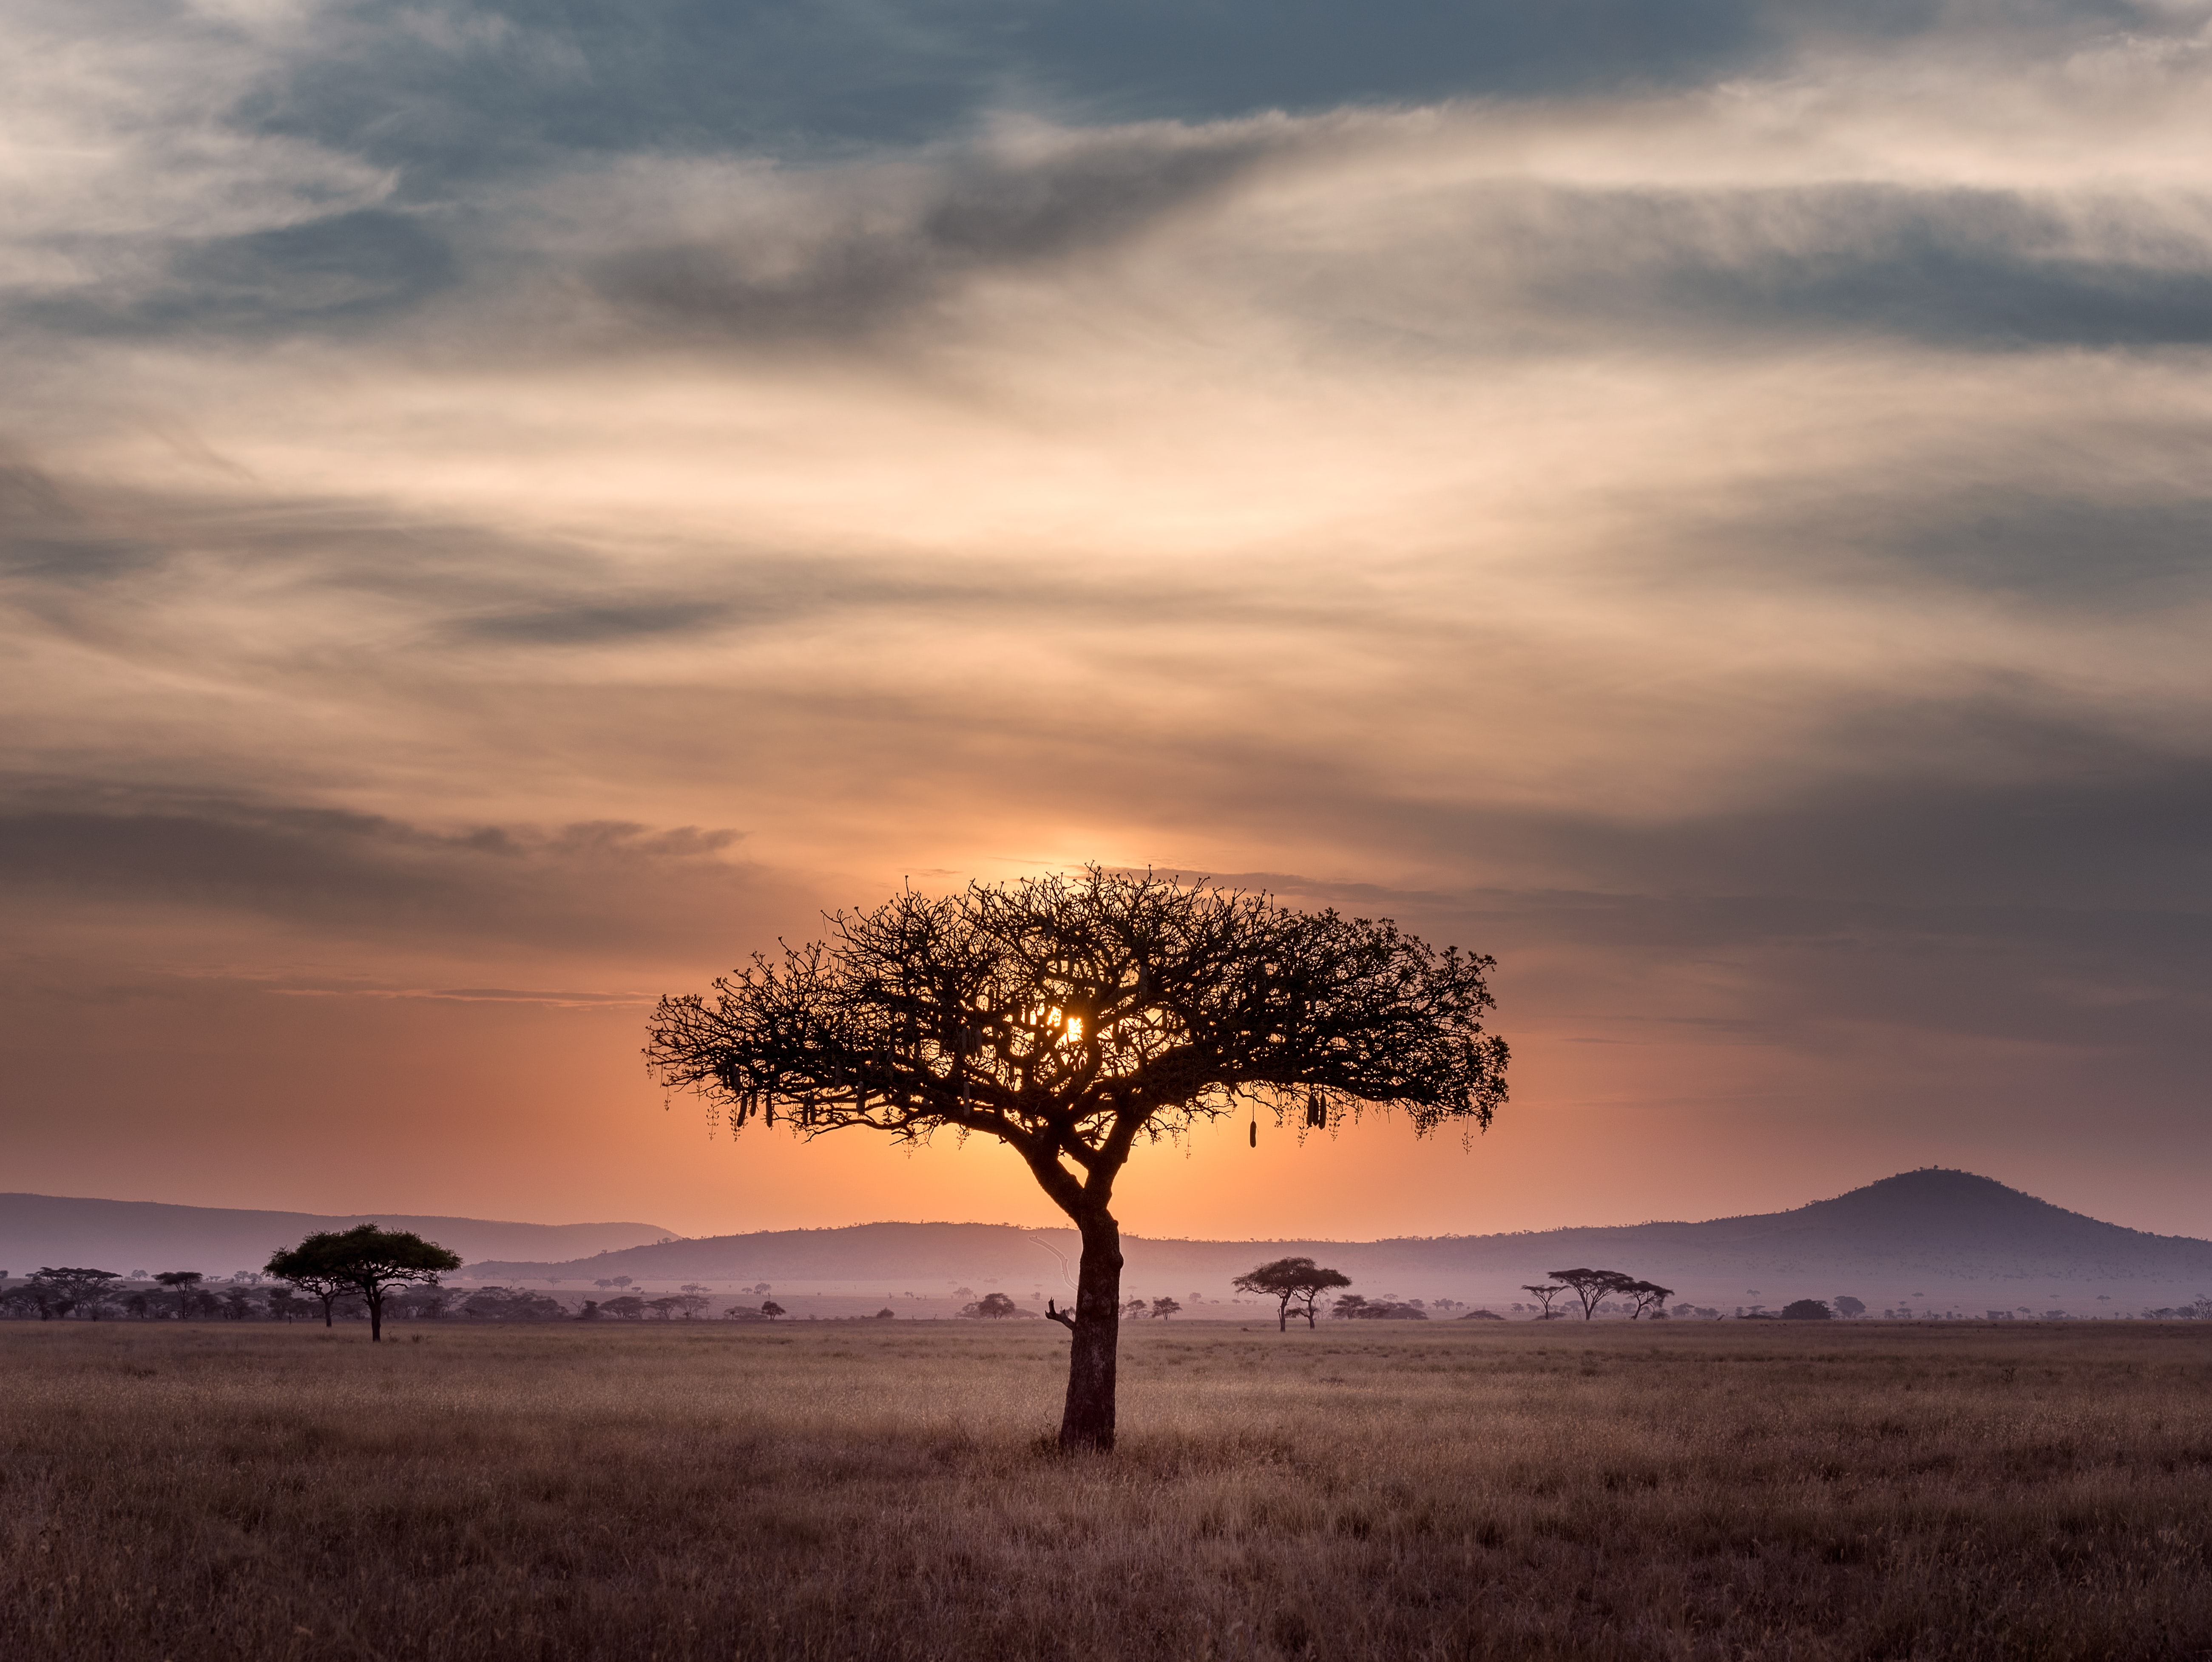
1936 1224
36 1229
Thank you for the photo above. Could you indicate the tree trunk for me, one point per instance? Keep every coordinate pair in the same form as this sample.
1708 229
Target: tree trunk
1087 1421
375 1318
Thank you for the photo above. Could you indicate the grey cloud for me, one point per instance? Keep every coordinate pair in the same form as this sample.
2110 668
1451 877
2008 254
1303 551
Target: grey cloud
2079 917
984 210
590 625
46 538
350 270
447 89
1531 266
2090 552
597 885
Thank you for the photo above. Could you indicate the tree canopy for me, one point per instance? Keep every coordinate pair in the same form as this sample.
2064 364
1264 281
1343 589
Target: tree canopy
1071 1017
1292 1281
364 1259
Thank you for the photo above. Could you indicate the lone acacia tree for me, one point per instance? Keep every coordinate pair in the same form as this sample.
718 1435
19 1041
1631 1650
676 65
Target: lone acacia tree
1069 1017
1592 1287
1289 1280
363 1260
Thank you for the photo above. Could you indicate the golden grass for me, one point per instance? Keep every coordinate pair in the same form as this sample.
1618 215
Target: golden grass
879 1491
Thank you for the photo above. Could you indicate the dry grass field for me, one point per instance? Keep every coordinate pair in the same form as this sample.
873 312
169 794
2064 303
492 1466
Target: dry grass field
871 1491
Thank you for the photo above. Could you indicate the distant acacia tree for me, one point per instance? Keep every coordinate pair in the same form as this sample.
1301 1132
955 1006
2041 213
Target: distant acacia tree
182 1284
1135 1307
1353 1307
691 1299
1807 1310
1071 1017
61 1292
1290 1281
366 1260
325 1288
1543 1295
1592 1287
1165 1307
1847 1306
994 1306
1644 1295
772 1310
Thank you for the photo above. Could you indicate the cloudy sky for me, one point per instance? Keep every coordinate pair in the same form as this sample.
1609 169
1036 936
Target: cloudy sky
505 508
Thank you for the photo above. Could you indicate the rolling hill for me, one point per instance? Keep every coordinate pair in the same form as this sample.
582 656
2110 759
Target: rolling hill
128 1234
1899 1236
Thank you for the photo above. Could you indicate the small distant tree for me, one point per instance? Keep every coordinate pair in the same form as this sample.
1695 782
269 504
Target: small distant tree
182 1283
366 1260
993 1306
691 1299
772 1310
1353 1307
1164 1308
664 1309
1592 1287
886 1315
1807 1310
1544 1297
1845 1305
1135 1307
1292 1281
628 1307
1647 1295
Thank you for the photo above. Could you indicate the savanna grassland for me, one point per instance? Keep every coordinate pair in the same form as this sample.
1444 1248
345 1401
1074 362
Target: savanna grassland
880 1490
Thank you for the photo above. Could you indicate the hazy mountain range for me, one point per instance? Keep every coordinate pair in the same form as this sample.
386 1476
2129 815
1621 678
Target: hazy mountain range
39 1229
1935 1226
1936 1232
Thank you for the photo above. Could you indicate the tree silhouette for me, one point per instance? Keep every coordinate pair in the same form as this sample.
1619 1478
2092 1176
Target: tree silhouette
1292 1280
1165 1307
994 1306
364 1259
771 1309
64 1289
1544 1296
1070 1017
182 1282
1645 1296
1593 1287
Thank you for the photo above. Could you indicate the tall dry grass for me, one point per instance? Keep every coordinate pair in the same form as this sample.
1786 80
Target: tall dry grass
881 1491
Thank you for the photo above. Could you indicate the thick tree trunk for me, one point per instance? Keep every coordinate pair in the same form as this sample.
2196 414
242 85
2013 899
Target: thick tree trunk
375 1318
1087 1421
